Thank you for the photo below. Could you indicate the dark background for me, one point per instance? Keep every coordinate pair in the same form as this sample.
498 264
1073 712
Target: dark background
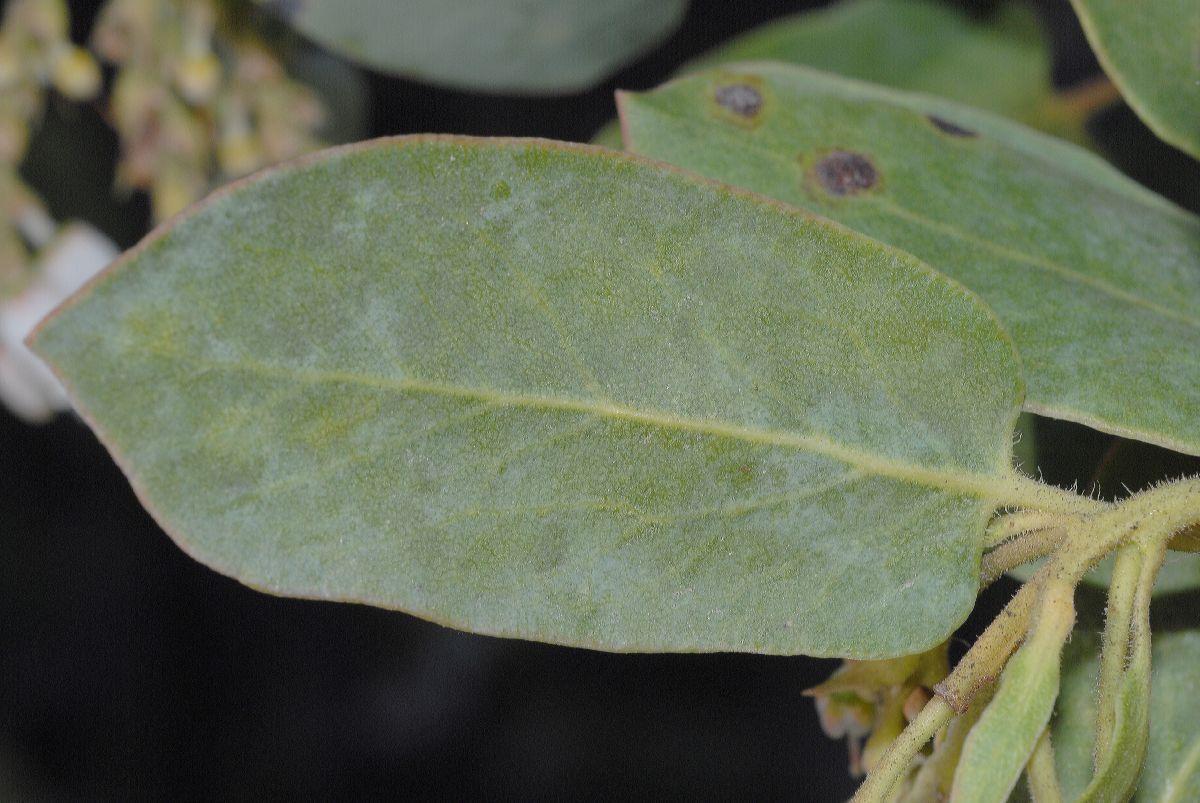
129 672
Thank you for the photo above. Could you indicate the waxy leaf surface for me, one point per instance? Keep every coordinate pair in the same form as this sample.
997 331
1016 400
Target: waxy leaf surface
1097 279
554 392
1151 49
533 46
1171 773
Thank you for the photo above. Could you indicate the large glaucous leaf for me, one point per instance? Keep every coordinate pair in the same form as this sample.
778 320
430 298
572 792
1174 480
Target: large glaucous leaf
1097 279
535 46
554 392
1171 773
1151 49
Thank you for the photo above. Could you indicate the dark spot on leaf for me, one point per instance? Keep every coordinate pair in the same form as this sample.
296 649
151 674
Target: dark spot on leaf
740 99
501 191
846 173
947 127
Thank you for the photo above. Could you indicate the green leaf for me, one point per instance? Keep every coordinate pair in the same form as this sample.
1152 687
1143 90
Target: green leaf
1001 63
534 46
1095 277
1172 770
1151 49
555 392
1000 744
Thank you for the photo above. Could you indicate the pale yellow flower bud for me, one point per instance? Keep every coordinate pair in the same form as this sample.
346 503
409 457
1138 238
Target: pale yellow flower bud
256 66
176 186
14 137
44 20
14 262
182 134
239 153
136 98
10 62
75 73
122 26
198 78
238 148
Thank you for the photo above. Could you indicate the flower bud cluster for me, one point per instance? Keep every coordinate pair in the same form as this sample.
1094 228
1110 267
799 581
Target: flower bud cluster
197 100
36 54
875 700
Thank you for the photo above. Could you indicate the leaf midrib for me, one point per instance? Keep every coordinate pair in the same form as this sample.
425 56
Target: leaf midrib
1002 488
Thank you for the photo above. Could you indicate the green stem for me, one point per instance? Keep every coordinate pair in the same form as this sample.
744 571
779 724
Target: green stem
1023 492
1115 652
896 760
1093 529
982 664
1149 516
1041 773
1126 705
1083 100
999 746
1018 522
1027 547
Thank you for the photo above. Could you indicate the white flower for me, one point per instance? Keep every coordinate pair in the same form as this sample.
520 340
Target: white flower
26 385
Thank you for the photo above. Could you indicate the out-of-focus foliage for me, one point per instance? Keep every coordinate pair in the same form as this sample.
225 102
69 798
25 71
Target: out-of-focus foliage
1152 51
524 46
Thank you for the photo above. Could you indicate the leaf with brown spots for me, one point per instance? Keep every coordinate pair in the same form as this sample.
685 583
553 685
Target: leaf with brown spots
999 62
1097 279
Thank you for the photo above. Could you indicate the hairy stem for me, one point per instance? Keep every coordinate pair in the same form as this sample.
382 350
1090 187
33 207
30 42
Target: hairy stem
896 760
1115 652
1019 522
1041 773
1027 547
1092 530
982 664
1125 711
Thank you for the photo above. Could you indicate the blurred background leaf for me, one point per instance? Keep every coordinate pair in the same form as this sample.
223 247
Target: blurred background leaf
501 46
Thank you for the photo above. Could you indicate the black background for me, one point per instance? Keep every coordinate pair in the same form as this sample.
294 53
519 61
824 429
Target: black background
129 672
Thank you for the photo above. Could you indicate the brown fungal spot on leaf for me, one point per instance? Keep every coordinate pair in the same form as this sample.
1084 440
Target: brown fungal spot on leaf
845 173
742 100
947 127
